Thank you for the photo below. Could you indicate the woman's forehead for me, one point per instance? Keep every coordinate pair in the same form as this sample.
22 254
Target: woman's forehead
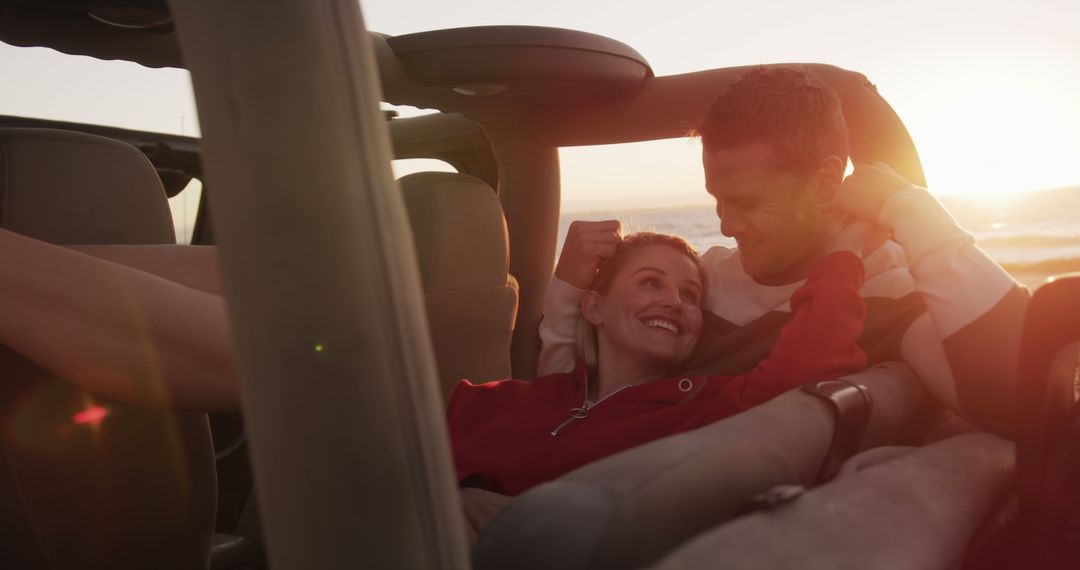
663 259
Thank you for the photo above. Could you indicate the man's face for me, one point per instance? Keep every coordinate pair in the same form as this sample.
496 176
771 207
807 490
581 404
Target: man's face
773 214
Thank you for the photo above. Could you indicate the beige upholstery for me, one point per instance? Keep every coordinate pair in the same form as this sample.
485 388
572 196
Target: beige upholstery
70 188
138 490
461 246
915 511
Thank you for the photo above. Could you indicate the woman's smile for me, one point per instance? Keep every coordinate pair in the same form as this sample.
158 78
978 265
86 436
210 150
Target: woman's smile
663 324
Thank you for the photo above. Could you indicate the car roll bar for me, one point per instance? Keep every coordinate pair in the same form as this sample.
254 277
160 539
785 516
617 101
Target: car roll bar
336 373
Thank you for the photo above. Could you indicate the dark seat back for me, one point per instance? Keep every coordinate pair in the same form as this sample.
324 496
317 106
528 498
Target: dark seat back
87 483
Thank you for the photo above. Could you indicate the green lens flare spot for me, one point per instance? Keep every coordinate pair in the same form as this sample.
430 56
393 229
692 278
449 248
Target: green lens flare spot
319 347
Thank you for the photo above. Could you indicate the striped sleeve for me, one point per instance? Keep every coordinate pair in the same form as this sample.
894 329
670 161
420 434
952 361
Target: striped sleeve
975 306
558 329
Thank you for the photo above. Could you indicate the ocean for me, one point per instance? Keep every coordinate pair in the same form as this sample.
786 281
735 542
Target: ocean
1032 235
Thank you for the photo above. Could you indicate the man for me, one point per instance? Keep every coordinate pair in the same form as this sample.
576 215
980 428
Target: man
774 153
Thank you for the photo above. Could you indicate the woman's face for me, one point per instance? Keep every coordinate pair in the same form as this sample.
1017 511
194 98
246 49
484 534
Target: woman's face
652 309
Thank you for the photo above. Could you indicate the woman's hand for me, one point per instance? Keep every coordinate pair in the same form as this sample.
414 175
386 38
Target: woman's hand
587 244
480 507
864 193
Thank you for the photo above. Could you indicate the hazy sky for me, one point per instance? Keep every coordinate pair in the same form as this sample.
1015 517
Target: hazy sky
988 89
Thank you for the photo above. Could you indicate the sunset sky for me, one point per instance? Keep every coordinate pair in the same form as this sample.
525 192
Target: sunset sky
988 90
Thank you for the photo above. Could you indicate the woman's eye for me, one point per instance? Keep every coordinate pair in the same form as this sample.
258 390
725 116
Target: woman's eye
691 297
650 282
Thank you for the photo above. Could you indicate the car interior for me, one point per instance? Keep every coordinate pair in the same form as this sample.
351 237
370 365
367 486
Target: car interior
154 487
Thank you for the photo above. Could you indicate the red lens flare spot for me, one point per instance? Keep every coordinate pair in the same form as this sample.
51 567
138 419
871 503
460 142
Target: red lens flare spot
92 416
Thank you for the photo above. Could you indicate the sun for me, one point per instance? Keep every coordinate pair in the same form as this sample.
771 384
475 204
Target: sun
991 127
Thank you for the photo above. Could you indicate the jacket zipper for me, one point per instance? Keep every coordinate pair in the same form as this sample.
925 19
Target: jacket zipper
582 412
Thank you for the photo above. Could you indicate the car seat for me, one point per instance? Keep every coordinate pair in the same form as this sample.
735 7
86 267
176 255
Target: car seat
462 250
471 299
84 482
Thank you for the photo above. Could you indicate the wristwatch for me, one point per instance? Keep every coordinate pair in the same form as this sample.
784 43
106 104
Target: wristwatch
851 405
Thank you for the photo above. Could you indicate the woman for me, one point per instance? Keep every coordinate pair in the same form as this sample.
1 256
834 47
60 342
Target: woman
644 310
507 436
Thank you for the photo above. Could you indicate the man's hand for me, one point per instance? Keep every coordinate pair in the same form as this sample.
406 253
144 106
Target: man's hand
586 245
864 193
859 237
480 507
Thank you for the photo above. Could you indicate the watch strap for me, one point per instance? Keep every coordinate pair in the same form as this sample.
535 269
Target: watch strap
851 405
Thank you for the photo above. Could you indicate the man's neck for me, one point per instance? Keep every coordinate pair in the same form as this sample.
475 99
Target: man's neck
797 272
792 274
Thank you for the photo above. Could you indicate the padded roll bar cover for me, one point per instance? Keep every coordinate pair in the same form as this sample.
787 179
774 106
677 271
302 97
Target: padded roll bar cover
916 511
138 490
600 529
527 63
75 188
628 510
461 246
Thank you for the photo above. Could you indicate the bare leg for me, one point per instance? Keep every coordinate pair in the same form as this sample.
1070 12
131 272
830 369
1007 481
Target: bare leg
116 331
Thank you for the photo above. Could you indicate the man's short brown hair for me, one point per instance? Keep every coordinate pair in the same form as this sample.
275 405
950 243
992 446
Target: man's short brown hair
783 107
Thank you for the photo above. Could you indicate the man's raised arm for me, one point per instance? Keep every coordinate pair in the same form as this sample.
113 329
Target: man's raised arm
965 347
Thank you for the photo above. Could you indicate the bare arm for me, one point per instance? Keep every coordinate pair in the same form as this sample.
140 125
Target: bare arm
118 332
480 507
195 266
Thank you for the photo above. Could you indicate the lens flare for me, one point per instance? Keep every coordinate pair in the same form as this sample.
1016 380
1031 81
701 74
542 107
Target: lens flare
91 416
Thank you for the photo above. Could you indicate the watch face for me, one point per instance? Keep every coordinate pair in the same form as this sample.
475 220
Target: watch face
843 394
833 386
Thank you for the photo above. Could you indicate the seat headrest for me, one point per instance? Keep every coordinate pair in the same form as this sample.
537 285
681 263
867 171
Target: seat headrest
459 230
69 188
